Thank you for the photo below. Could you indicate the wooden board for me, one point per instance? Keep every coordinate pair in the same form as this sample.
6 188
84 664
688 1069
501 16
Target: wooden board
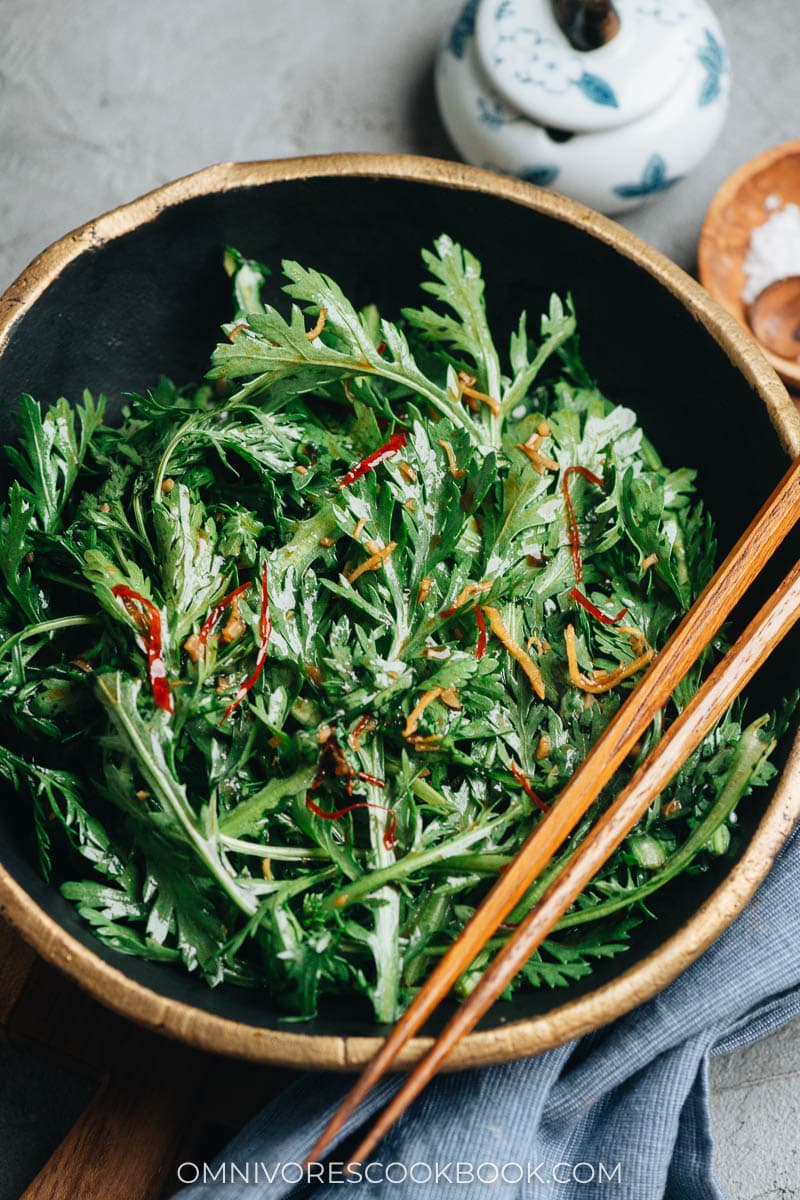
156 1103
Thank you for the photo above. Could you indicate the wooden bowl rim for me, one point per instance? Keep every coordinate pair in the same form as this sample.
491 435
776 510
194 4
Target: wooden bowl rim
788 369
638 983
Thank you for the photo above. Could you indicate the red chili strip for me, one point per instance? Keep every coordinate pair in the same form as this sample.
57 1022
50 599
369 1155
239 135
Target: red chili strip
216 612
265 631
361 725
572 522
594 611
523 779
480 645
372 779
156 670
381 347
395 443
389 834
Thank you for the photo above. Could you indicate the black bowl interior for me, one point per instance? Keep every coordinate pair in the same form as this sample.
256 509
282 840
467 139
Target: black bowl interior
151 302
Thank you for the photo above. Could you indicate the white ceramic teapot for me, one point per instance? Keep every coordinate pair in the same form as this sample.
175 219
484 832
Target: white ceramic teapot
611 103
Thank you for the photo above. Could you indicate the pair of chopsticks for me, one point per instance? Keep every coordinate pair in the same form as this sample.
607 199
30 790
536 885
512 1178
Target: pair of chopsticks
773 622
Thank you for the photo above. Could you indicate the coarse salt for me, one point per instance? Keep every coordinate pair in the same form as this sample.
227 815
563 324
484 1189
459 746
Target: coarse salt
774 251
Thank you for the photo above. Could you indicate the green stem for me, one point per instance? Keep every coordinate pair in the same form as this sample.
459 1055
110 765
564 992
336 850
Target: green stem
138 513
429 795
293 887
430 918
414 381
55 577
47 627
120 702
750 752
279 853
386 935
418 859
478 864
161 470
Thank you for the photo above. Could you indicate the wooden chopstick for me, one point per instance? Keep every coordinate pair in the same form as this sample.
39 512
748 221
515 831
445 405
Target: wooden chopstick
753 550
733 673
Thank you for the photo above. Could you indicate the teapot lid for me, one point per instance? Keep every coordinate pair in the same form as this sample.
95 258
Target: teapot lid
531 62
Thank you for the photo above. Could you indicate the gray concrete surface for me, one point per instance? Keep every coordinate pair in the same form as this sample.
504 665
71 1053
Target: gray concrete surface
755 1096
101 101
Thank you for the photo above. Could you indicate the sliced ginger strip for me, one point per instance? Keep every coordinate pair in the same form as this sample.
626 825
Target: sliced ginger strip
373 563
601 681
317 329
424 589
539 461
456 471
234 627
193 647
412 721
521 656
468 593
425 743
466 388
636 638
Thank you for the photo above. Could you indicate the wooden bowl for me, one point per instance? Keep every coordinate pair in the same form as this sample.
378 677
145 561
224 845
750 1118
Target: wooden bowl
140 291
738 208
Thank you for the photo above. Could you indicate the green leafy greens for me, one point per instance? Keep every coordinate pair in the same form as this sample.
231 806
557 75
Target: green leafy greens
291 662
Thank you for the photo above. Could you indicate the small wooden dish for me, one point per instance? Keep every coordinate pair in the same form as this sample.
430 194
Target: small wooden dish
738 208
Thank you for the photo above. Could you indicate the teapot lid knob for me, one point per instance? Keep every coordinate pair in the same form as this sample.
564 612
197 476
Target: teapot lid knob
587 24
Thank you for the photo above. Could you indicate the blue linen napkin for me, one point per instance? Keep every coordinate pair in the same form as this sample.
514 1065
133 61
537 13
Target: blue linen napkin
622 1113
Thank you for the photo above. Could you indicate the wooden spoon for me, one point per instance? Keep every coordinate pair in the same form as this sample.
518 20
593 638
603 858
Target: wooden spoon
775 317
